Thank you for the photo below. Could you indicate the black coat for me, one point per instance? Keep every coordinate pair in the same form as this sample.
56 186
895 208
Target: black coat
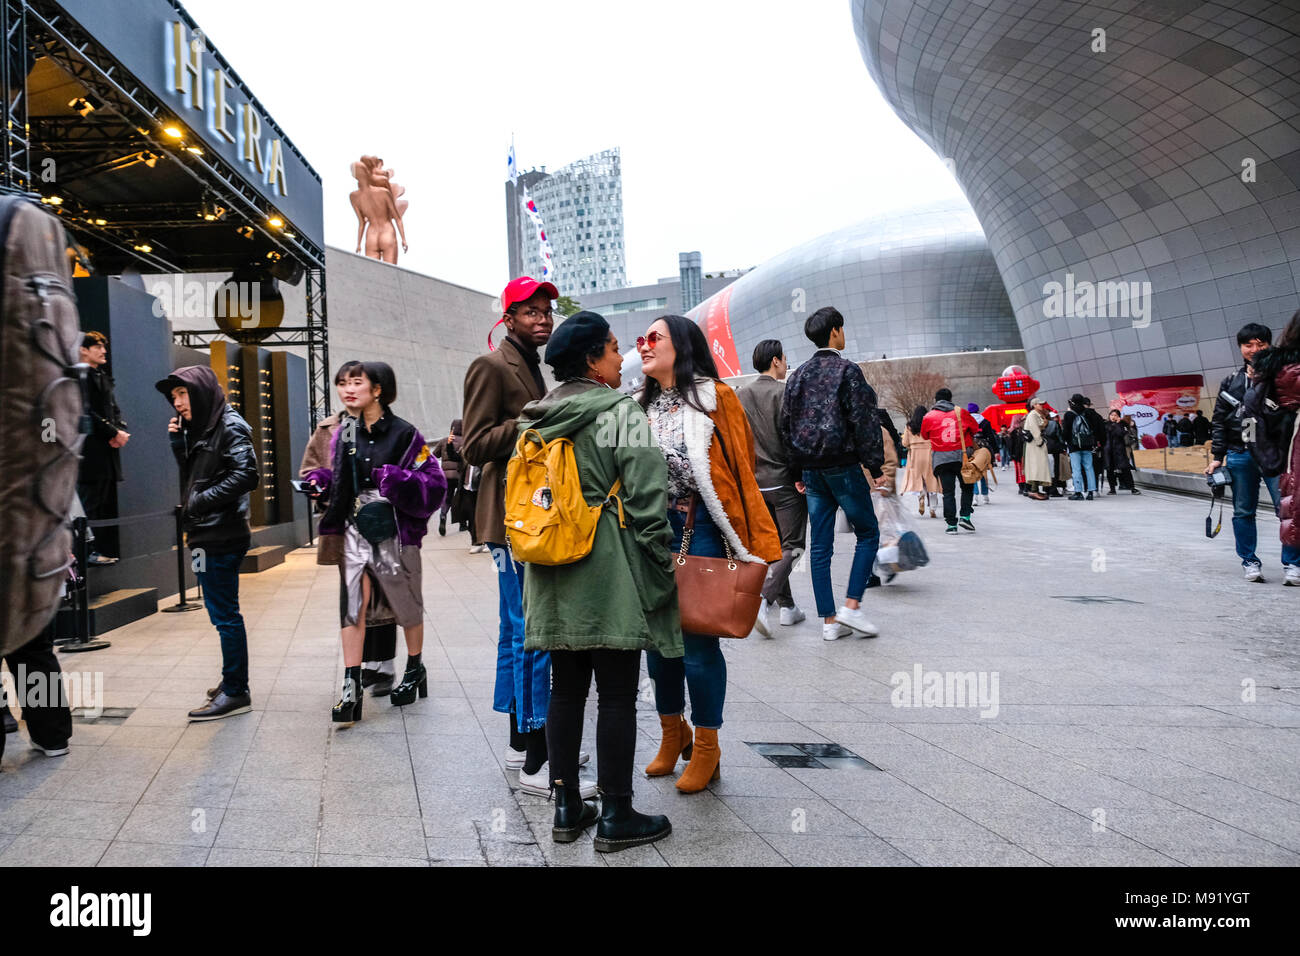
218 470
1114 454
1200 430
99 461
1096 424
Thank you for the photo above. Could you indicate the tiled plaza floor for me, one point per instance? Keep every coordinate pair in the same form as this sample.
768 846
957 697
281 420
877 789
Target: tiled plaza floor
1126 730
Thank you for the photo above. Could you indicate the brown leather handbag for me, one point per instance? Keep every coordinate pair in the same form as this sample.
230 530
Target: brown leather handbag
717 596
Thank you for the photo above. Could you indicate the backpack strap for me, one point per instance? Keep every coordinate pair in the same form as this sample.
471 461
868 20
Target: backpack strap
617 499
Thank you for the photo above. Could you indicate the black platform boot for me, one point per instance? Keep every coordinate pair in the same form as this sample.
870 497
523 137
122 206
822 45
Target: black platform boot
348 709
621 826
415 679
572 814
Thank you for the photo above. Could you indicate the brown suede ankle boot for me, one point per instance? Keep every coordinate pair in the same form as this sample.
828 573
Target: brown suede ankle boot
677 742
705 765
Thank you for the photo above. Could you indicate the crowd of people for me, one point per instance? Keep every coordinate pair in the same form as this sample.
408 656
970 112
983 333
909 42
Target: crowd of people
694 469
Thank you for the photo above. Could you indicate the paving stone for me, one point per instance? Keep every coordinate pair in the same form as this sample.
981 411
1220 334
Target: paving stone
268 830
361 834
711 848
275 793
122 853
342 859
40 850
228 856
957 853
804 849
99 821
172 825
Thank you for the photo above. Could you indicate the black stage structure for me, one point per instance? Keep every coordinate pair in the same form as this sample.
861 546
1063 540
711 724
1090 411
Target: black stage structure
126 121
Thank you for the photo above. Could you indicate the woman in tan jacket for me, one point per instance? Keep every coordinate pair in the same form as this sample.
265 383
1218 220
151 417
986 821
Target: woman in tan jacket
919 475
703 431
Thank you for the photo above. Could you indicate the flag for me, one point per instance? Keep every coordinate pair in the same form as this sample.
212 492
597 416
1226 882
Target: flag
543 244
512 171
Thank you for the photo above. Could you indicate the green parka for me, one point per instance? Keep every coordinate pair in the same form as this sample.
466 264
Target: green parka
623 595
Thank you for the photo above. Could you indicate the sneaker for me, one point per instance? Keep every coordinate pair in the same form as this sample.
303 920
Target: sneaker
540 783
1292 576
792 615
951 529
515 759
98 560
1254 573
986 499
223 705
834 631
760 622
874 581
1076 497
1090 496
965 522
1135 491
855 619
477 548
52 750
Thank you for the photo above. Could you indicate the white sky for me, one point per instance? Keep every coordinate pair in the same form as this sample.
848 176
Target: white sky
746 126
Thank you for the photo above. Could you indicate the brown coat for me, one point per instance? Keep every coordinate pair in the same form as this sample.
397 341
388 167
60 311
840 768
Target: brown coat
725 480
889 469
497 387
329 547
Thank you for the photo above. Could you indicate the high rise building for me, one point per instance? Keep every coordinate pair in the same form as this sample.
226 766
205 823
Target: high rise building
690 267
581 205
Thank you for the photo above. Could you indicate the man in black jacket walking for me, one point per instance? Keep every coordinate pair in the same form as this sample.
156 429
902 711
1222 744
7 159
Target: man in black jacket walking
101 465
214 447
831 431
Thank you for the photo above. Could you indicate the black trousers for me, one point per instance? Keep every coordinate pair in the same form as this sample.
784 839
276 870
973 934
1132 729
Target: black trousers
949 474
97 501
1125 478
616 684
381 643
39 685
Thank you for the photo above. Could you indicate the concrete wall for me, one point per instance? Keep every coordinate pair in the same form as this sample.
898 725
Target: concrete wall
428 330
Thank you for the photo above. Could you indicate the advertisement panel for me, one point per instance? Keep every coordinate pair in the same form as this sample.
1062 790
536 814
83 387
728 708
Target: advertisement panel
713 315
1149 399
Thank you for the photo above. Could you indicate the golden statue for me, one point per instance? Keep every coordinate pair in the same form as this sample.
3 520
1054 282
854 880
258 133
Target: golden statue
378 204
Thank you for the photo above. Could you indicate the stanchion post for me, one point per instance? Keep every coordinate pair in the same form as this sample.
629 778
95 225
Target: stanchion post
182 598
81 593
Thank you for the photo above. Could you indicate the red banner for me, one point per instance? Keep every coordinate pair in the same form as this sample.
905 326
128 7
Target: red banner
713 315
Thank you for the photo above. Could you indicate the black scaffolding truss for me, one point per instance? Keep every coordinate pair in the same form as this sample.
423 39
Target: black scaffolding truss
123 130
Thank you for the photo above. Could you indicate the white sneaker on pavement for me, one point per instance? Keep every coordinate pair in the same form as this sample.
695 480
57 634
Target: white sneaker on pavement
834 631
792 615
854 618
986 499
540 783
761 623
1292 577
1254 573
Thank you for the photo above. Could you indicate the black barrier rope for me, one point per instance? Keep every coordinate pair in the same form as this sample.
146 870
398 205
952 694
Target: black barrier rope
183 602
79 591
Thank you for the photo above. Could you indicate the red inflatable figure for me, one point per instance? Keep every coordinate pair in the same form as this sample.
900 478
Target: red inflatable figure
1015 387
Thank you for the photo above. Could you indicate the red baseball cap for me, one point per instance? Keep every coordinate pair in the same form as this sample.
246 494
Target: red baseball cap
523 289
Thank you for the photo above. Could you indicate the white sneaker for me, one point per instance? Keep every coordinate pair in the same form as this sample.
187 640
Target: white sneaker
515 759
477 548
792 615
540 783
1292 576
761 623
986 499
50 751
834 631
1254 573
855 619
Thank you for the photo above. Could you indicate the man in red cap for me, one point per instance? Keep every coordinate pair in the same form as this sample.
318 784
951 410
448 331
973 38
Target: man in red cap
497 387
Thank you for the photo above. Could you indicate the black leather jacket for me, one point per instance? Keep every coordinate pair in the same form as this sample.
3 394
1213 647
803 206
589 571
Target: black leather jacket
1225 426
218 471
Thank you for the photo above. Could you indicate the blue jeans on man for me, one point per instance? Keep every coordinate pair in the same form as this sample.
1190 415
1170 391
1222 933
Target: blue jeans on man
703 669
1245 501
1081 468
523 682
220 582
827 490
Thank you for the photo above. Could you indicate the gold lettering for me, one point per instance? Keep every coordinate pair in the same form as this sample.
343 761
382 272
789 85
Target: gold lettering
220 108
253 137
275 169
189 60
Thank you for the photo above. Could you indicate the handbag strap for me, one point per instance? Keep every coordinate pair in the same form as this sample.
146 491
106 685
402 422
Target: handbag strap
356 478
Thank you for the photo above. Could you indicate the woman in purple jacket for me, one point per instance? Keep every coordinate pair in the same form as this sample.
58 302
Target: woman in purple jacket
377 457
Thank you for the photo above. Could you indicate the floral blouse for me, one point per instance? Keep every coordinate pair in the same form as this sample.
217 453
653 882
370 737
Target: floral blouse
668 426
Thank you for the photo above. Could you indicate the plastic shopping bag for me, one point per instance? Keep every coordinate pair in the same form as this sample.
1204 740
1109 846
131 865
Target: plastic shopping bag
901 548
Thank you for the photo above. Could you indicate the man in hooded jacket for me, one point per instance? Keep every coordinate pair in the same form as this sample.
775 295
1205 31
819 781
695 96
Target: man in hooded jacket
214 447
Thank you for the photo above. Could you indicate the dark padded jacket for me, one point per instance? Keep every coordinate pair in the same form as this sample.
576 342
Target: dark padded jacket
1225 425
828 416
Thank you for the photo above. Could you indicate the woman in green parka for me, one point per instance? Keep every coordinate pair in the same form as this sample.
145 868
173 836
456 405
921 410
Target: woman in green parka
595 616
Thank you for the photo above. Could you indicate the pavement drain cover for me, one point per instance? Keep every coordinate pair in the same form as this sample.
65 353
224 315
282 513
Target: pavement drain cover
107 713
1092 599
811 756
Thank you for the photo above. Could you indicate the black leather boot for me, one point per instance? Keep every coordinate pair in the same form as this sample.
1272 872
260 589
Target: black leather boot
572 814
621 826
348 709
415 679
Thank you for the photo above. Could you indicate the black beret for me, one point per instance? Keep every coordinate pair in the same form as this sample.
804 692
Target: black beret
579 334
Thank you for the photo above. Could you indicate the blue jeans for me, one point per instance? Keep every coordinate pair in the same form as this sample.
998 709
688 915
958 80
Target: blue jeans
1081 467
827 490
703 669
220 582
1245 500
523 685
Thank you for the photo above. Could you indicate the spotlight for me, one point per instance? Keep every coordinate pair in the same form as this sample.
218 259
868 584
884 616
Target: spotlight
101 222
245 231
275 222
173 131
273 256
210 211
84 105
142 247
196 150
53 200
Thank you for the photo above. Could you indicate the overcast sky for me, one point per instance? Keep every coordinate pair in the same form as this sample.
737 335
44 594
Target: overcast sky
746 126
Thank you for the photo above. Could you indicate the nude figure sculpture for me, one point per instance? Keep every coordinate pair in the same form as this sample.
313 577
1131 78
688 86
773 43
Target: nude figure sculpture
378 204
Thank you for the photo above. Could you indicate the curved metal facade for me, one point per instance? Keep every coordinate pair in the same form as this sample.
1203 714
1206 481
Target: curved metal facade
914 282
1170 158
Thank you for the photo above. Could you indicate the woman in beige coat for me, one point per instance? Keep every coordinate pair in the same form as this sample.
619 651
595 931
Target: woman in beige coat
919 474
1038 470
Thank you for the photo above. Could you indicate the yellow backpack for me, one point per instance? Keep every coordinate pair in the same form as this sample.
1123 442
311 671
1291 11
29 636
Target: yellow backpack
547 519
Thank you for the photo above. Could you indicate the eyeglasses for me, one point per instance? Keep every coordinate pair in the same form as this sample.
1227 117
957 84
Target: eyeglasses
536 313
650 339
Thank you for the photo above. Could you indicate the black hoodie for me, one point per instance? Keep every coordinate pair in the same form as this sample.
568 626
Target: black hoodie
218 467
